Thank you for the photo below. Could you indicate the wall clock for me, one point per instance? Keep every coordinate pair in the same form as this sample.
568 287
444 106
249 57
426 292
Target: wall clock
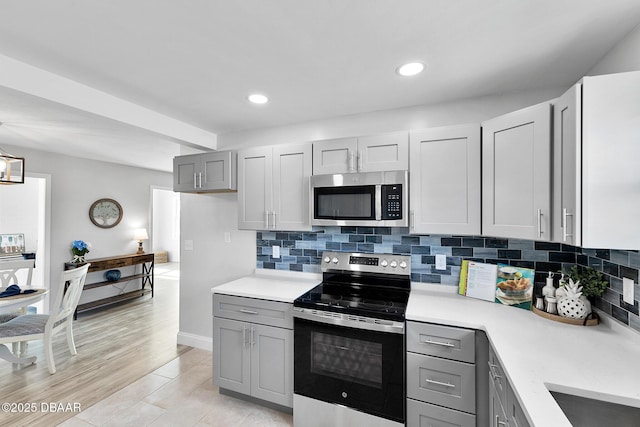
105 213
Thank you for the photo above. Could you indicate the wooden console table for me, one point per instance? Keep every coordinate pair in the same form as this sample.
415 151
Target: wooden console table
114 262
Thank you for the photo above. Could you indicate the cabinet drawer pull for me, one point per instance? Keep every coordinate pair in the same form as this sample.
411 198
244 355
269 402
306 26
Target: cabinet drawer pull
443 344
245 311
440 383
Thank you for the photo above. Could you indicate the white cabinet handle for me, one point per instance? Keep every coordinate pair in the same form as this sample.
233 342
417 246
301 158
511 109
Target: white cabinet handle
443 344
499 423
565 235
440 383
195 180
200 179
244 336
274 219
351 160
252 336
539 222
492 371
360 160
245 311
266 219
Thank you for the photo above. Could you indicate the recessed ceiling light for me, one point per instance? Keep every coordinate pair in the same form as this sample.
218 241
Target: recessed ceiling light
410 69
258 98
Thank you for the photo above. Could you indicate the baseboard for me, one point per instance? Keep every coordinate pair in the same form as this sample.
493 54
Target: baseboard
197 341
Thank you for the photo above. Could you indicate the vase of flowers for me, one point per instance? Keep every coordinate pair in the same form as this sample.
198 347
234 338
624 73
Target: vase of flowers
79 249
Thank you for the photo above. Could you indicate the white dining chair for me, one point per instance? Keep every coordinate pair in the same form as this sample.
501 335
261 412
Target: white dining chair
13 273
43 326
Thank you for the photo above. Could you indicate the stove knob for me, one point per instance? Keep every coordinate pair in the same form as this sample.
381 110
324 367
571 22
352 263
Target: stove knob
335 260
327 259
403 264
394 264
384 263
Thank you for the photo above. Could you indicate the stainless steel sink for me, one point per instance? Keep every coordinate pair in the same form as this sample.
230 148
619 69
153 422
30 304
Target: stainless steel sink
586 412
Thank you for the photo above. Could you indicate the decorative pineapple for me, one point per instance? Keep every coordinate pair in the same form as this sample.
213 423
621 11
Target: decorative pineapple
574 305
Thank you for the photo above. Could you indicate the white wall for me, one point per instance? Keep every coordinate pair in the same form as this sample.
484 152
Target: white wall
625 56
166 223
425 116
204 219
75 184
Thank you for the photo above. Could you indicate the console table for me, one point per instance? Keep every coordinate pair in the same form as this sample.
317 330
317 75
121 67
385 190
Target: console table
114 262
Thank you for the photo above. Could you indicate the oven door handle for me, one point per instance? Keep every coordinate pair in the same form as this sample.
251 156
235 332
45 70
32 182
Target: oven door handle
337 319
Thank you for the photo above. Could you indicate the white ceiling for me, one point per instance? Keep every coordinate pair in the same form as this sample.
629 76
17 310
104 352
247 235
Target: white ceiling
196 61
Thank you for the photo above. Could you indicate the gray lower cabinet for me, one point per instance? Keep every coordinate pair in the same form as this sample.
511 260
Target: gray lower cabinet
442 377
252 358
504 407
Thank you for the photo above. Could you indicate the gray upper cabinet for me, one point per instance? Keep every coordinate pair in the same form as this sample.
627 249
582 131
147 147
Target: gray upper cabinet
207 172
610 155
567 167
376 153
273 187
516 174
444 166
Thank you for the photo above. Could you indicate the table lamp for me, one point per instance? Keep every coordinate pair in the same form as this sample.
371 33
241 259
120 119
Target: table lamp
140 235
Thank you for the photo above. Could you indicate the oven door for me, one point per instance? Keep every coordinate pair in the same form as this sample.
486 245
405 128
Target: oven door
360 369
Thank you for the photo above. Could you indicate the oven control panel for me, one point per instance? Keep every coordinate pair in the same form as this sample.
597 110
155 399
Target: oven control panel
375 263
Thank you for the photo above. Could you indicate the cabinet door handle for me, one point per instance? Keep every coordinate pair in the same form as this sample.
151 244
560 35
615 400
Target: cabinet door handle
565 235
351 160
492 371
252 336
244 336
274 219
539 222
412 220
266 219
499 423
443 344
440 383
200 179
360 160
245 311
195 180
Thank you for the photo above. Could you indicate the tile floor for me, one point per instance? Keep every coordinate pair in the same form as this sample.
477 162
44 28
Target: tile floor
179 393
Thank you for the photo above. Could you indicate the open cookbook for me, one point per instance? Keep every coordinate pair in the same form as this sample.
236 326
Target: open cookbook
503 284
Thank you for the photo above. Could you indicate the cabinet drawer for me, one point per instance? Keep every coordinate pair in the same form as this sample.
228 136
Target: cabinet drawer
421 414
497 377
443 382
271 313
441 341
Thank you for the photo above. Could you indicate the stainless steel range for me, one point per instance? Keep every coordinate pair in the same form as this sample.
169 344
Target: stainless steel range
349 342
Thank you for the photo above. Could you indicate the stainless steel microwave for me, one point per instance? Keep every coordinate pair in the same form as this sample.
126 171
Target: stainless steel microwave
375 199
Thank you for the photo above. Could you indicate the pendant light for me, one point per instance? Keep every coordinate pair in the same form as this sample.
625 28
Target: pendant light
11 168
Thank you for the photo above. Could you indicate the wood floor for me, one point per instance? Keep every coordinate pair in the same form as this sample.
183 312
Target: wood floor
116 347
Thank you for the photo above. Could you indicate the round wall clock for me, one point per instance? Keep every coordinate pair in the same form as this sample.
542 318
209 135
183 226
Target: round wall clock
105 213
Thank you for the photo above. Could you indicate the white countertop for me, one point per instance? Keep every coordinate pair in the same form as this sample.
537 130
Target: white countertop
599 362
273 285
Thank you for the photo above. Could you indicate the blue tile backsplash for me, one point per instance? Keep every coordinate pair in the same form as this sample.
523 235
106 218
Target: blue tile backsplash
302 251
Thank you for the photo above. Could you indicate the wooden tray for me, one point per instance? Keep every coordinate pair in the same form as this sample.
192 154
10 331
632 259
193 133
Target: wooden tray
591 320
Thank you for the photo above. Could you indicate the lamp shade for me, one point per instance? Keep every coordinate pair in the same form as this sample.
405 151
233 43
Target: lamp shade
140 234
